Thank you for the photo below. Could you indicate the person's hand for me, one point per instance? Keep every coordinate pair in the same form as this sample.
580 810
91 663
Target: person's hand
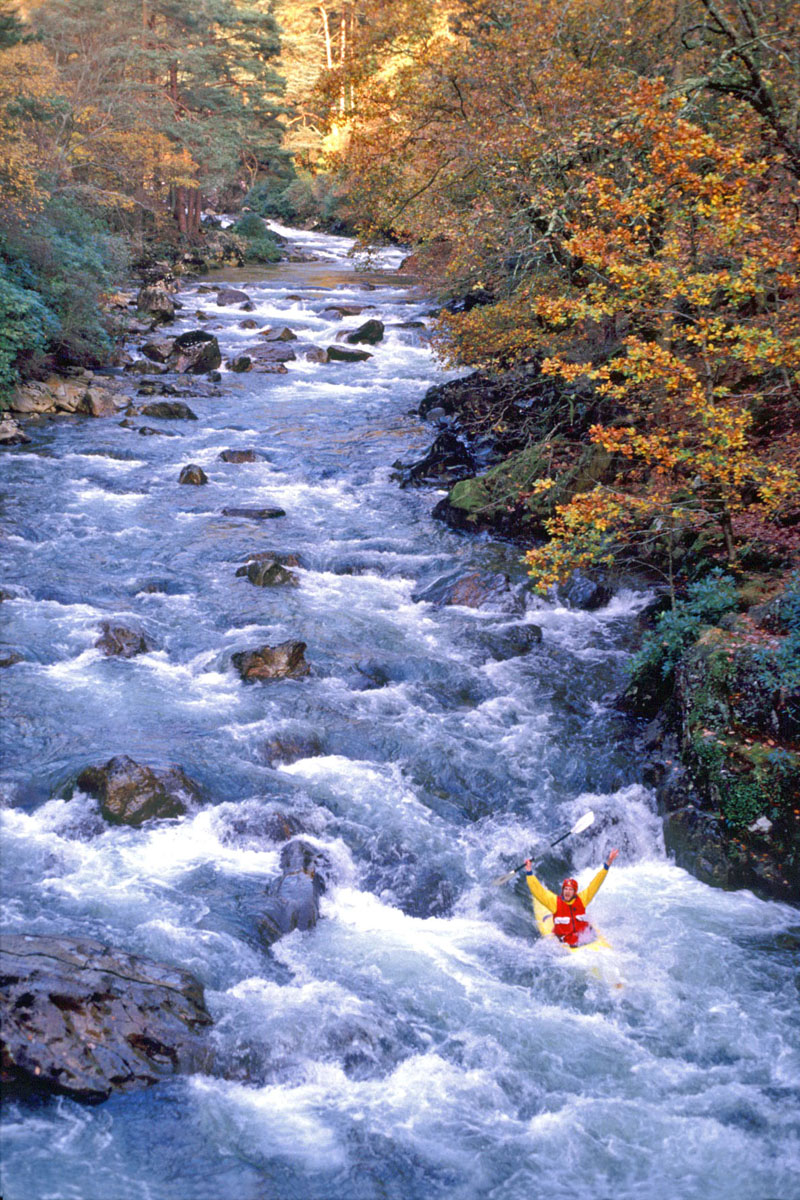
612 854
528 866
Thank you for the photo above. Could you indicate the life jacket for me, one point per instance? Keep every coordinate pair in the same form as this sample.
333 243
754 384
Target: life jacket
569 923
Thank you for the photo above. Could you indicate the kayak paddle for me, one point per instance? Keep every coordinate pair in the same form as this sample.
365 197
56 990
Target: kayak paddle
582 823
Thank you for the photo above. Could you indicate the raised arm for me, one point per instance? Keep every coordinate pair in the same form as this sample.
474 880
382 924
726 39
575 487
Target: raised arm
542 894
591 890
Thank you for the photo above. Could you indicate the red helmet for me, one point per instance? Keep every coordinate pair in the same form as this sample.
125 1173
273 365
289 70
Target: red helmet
573 883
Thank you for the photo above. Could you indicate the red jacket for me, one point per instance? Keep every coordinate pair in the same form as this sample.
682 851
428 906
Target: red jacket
569 923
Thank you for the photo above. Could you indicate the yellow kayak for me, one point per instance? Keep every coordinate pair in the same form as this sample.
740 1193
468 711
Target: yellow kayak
602 968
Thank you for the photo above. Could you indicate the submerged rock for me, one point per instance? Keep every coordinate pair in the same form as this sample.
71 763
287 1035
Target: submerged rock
268 572
255 514
131 794
157 300
294 904
82 1020
285 661
227 296
241 456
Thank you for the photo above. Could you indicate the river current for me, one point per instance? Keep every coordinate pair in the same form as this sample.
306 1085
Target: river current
421 1041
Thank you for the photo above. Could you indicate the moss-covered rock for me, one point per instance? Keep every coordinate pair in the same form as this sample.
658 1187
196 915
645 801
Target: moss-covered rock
503 500
737 705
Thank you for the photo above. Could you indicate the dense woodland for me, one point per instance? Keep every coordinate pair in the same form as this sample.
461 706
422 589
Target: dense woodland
606 194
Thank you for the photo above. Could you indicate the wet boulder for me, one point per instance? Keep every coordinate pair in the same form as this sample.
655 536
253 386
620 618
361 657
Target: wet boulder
99 402
118 641
288 748
294 902
131 794
476 590
226 296
83 1020
370 333
340 354
240 364
265 571
169 410
194 474
196 353
285 661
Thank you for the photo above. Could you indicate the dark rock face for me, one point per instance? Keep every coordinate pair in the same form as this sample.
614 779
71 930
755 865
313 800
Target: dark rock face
82 1020
447 461
192 473
169 410
227 296
9 658
370 333
196 353
120 642
295 902
240 364
339 354
286 661
342 310
254 514
131 794
241 456
584 593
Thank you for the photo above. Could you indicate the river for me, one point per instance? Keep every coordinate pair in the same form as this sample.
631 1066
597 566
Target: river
421 1041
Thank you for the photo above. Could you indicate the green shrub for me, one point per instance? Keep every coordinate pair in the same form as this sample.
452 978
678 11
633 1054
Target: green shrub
26 327
707 600
260 246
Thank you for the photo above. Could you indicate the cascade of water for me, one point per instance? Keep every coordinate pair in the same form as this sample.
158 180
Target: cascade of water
420 1041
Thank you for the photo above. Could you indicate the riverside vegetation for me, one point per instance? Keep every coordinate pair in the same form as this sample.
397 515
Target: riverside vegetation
605 199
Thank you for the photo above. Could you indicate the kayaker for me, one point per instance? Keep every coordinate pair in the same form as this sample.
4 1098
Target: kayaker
570 923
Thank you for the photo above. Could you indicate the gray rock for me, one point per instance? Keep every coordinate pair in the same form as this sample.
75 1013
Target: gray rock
82 1020
11 433
339 354
584 593
159 349
268 573
131 794
240 364
270 352
281 333
227 296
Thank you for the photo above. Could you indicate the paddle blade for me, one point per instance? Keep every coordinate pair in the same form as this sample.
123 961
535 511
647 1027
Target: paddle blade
585 821
501 879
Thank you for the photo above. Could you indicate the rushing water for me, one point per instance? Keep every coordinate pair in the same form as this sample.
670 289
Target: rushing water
420 1041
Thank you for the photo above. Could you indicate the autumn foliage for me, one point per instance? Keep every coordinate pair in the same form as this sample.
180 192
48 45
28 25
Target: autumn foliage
617 187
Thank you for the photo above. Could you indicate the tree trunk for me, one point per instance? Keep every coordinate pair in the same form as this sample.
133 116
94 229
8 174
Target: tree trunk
180 209
326 29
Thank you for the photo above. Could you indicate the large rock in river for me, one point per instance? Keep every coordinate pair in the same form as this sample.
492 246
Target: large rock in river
294 903
85 1021
195 353
130 793
121 642
286 661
